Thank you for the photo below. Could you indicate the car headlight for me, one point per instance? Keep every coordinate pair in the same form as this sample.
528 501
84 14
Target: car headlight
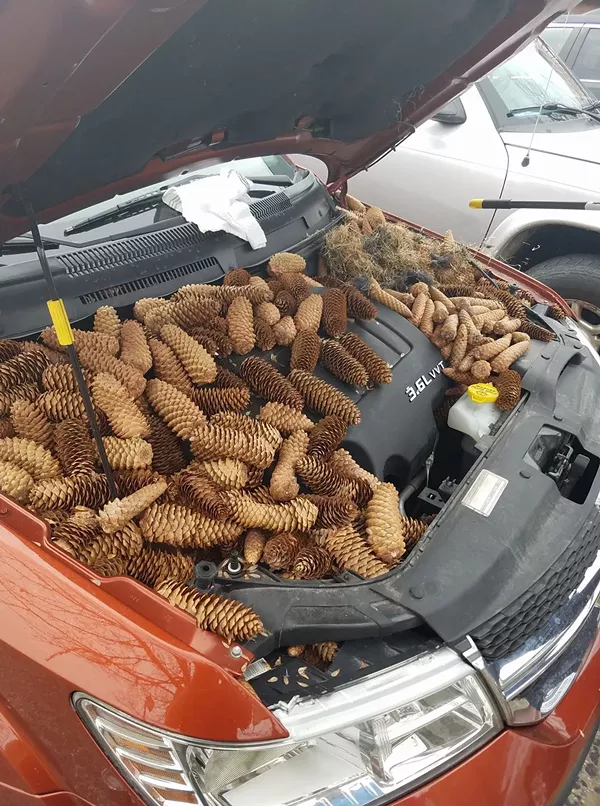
362 744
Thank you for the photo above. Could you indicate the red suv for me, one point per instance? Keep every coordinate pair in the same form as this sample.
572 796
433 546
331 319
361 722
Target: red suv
469 673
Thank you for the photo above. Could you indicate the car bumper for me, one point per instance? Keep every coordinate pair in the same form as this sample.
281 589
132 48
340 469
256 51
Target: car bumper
533 766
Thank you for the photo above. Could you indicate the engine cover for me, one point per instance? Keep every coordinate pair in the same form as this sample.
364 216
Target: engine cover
397 429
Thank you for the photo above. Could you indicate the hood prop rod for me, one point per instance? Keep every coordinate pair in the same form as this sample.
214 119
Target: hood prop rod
62 326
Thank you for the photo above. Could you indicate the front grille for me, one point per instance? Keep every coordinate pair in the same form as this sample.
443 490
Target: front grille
143 283
509 629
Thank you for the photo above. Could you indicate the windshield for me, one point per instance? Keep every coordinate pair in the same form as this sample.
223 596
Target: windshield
531 78
255 169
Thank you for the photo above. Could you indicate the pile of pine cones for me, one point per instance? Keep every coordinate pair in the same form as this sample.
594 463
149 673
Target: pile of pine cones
197 476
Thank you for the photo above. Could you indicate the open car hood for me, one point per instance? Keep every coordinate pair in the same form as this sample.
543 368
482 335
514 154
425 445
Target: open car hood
104 96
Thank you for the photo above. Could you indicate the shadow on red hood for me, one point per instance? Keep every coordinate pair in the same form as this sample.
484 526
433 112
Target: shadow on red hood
103 96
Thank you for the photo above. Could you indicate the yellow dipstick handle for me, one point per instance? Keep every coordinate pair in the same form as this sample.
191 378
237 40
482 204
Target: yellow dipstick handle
60 320
476 204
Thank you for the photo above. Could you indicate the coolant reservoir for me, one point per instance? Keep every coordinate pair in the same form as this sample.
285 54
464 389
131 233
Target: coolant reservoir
475 412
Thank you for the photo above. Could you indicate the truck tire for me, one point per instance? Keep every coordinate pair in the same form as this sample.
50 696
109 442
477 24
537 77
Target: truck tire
573 276
577 279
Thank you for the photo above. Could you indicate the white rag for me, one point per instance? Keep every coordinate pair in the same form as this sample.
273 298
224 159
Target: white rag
216 203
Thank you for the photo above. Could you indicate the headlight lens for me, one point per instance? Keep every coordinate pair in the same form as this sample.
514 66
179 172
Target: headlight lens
359 745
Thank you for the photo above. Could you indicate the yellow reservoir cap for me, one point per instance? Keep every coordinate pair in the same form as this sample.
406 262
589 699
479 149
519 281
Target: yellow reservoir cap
483 393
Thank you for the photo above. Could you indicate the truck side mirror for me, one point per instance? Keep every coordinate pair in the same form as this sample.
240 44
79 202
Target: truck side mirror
453 113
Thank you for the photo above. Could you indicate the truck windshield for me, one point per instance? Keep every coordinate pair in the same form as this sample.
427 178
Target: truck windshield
530 79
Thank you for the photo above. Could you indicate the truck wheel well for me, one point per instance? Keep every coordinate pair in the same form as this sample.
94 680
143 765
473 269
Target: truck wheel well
551 240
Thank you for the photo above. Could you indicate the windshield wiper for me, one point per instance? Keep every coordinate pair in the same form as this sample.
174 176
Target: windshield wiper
592 107
118 213
549 109
25 244
141 204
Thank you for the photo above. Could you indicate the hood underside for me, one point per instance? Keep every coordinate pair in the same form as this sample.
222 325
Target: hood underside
106 96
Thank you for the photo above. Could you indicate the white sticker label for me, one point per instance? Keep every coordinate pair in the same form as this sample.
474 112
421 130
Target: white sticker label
485 492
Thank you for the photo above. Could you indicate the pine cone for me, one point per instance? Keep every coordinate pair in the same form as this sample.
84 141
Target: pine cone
176 409
309 313
9 349
341 364
385 531
131 378
76 532
281 550
285 331
305 351
321 479
284 419
286 262
413 531
157 562
312 562
270 384
179 526
334 511
240 326
264 334
124 416
206 339
189 312
30 423
128 454
297 515
116 514
377 293
74 447
325 651
129 481
507 357
426 323
134 346
212 399
283 485
201 492
459 348
82 339
326 436
254 543
167 452
343 462
508 385
334 312
59 406
297 286
34 458
377 369
268 313
321 397
109 567
15 481
106 320
536 332
6 428
168 368
199 365
26 392
263 287
225 617
296 650
255 428
236 277
23 368
89 490
60 378
285 302
228 380
556 312
229 474
215 442
351 553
